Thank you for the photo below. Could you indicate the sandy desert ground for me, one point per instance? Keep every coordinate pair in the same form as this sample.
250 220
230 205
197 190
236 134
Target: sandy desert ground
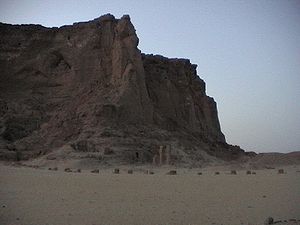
30 196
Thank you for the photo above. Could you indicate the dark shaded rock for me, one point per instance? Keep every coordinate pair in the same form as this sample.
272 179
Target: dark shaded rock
269 167
172 172
84 146
51 157
19 127
68 170
88 85
149 172
55 169
9 155
233 172
174 86
108 151
269 221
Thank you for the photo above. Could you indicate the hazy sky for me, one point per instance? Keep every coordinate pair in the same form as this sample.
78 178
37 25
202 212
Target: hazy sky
248 53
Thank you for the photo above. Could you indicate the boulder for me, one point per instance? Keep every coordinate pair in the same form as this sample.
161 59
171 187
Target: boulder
172 172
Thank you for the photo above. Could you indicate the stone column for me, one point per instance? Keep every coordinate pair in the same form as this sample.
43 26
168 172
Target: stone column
161 154
154 160
168 154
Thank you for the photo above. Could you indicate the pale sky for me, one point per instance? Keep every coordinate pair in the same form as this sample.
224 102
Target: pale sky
248 53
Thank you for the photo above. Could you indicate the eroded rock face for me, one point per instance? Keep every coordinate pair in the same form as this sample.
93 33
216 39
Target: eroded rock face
179 98
88 86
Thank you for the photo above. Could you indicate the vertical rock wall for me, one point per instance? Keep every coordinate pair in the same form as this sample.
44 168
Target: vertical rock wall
179 98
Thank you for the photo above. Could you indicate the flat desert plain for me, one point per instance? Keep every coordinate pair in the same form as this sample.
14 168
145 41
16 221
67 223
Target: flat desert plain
31 196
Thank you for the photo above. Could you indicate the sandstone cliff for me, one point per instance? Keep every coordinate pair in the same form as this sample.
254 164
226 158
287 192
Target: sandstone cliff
87 89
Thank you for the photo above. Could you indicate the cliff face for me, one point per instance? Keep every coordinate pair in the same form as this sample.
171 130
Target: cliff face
179 99
87 87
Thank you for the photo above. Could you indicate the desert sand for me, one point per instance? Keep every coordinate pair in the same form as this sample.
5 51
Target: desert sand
31 196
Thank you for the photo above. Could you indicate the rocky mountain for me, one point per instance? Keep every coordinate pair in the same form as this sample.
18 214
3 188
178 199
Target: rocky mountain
271 160
87 89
